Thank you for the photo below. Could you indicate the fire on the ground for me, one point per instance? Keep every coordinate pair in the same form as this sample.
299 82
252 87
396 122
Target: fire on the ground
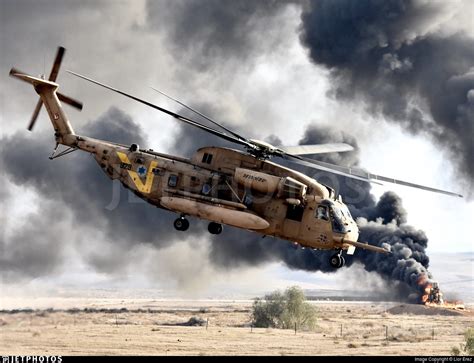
432 295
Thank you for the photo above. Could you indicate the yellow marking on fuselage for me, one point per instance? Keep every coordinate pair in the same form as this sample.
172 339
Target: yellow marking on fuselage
143 188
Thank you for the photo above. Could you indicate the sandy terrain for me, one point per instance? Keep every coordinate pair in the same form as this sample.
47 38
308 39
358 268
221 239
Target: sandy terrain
148 327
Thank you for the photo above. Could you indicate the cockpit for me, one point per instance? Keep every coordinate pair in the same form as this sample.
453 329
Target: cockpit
339 215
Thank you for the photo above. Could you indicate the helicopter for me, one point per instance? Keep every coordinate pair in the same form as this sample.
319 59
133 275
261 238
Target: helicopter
225 186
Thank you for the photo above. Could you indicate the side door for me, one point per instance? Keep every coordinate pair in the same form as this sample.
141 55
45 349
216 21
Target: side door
293 221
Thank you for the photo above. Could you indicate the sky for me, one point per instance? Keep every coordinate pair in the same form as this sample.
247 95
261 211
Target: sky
263 68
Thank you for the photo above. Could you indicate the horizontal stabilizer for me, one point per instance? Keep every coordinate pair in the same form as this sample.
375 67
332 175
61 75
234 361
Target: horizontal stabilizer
35 81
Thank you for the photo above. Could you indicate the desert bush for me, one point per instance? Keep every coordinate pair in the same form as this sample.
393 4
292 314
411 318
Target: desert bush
284 310
469 338
266 312
455 351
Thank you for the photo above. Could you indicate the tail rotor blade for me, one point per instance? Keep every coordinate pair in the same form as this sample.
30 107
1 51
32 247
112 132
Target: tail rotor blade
57 63
35 115
70 101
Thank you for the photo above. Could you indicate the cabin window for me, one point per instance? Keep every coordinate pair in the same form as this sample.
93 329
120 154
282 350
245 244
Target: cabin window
295 212
157 171
194 182
248 200
173 181
206 189
207 158
322 213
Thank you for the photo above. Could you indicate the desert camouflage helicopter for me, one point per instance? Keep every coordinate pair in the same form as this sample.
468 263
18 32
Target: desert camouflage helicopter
222 185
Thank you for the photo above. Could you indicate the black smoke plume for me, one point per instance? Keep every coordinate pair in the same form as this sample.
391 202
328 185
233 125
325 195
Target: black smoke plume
377 52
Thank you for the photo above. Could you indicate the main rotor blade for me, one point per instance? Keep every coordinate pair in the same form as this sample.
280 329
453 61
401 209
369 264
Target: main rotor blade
57 63
317 149
331 169
200 114
360 174
35 115
173 114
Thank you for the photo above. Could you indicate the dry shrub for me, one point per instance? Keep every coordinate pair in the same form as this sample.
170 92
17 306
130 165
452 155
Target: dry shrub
455 351
284 310
469 341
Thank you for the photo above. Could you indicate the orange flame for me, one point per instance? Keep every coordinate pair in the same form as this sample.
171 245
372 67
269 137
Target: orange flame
427 290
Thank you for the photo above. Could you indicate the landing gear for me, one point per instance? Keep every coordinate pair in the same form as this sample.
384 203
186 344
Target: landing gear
337 260
181 224
215 228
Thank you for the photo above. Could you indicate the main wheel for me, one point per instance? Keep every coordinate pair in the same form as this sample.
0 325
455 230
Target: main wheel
215 228
343 261
336 260
181 224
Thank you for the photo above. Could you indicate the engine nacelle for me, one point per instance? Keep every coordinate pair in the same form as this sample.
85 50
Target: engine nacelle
265 183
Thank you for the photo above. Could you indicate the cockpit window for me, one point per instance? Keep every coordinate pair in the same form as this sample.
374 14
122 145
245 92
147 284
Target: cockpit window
322 212
346 212
337 212
337 222
335 215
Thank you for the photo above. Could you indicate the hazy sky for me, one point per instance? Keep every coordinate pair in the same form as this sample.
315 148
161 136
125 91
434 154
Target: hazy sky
245 63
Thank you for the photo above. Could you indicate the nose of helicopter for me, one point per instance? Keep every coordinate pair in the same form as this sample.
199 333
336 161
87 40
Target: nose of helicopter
353 231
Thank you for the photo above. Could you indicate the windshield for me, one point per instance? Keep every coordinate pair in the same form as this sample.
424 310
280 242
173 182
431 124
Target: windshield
337 220
345 211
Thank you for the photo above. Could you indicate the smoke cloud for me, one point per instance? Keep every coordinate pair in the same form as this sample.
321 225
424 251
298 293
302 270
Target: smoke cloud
74 187
382 52
207 33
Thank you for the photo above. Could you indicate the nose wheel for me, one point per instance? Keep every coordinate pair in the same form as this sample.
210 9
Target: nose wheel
215 228
337 260
181 224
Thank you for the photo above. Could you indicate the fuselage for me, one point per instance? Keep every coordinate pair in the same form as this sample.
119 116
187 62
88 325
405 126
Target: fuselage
230 187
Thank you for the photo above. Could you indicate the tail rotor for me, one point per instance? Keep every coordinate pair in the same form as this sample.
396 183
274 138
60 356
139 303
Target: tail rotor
52 78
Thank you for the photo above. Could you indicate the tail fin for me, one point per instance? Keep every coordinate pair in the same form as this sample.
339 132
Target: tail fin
47 90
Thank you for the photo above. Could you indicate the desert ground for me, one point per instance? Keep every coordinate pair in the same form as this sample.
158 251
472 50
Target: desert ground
162 327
